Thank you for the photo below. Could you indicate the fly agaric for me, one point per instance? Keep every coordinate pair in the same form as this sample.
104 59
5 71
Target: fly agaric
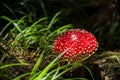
75 43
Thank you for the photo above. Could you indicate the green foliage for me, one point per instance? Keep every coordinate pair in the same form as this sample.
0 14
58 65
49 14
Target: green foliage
36 39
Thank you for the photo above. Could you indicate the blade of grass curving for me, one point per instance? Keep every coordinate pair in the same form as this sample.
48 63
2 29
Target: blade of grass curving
12 64
68 69
43 7
54 20
21 76
16 40
35 68
35 75
21 19
20 34
18 28
89 71
42 30
57 71
59 30
22 62
41 19
6 35
63 28
10 10
6 18
5 27
2 59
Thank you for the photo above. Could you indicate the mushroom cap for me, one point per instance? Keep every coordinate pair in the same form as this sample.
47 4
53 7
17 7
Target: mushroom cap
76 42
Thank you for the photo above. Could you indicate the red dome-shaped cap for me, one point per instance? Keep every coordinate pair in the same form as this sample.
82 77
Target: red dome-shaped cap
76 42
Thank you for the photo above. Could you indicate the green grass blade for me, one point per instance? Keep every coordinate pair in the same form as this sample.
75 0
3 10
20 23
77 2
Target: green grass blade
2 59
41 19
43 7
10 65
5 27
63 28
89 71
20 76
21 20
59 30
57 71
68 69
10 10
35 68
54 19
17 26
6 18
35 75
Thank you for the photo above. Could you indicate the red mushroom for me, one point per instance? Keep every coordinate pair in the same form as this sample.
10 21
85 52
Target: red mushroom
77 43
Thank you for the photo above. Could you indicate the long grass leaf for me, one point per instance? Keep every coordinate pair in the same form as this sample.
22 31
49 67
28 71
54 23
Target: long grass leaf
21 20
10 10
2 59
35 75
35 68
38 21
68 69
54 19
89 71
12 64
43 7
5 27
21 76
18 28
6 18
57 71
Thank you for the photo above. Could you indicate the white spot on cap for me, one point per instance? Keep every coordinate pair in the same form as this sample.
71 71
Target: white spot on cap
74 37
